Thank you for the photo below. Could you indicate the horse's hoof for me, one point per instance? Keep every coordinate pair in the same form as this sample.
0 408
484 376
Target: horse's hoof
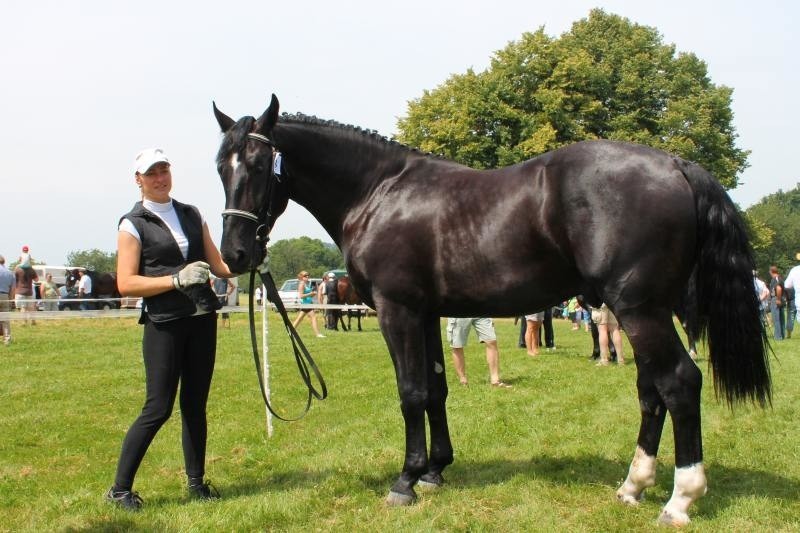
430 481
673 518
395 499
629 499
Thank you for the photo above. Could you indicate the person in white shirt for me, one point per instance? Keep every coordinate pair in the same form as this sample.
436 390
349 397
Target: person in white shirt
762 292
790 283
85 290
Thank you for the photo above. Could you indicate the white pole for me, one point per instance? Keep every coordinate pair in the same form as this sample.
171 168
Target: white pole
265 343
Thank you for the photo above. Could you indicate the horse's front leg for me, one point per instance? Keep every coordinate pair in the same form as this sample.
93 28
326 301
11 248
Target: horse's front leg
403 330
441 448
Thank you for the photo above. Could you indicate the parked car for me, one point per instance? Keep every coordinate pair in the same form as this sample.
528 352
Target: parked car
288 291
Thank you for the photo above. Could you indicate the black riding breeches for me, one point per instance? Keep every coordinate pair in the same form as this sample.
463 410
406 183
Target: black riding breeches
181 350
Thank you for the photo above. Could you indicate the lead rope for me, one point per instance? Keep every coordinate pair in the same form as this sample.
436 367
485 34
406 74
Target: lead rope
302 357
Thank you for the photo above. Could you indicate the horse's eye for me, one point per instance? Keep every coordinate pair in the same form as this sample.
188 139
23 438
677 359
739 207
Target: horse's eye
259 169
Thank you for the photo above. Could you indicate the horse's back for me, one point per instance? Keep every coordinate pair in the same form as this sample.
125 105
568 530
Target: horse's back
587 218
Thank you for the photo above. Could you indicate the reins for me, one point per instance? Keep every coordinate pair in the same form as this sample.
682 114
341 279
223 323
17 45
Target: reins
301 355
305 363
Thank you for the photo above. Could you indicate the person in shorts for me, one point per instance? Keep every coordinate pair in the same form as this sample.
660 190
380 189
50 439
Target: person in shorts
607 325
457 334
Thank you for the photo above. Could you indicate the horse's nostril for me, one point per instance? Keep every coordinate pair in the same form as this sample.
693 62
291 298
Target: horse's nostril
241 257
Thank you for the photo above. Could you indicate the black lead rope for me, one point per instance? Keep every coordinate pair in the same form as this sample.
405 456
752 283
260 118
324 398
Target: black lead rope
301 355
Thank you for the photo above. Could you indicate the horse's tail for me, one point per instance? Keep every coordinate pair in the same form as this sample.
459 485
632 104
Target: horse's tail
727 306
686 309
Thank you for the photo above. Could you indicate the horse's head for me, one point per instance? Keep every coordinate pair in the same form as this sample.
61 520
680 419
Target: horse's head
71 277
255 192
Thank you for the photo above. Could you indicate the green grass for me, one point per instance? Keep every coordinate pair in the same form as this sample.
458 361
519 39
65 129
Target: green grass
546 455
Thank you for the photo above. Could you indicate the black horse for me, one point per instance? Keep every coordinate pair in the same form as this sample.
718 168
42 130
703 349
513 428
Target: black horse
104 285
424 238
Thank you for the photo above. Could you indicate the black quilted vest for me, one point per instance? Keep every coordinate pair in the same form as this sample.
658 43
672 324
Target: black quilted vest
161 256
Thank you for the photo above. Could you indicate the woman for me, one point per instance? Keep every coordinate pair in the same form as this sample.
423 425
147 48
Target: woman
306 294
164 253
532 340
49 291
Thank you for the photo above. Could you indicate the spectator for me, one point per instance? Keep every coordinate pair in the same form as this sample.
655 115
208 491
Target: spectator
85 290
7 282
777 301
258 294
223 287
24 295
532 338
329 291
586 317
24 258
607 325
306 293
572 307
457 334
790 284
762 292
49 293
547 325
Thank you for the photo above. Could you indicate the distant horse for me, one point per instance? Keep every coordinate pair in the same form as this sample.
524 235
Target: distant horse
424 238
347 295
104 284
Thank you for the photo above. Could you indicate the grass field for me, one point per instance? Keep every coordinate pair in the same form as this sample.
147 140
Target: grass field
546 455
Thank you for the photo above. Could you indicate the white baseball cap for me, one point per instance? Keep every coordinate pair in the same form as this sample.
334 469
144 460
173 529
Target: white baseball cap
147 158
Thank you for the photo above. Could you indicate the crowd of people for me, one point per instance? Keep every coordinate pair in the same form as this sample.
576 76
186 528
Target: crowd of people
17 286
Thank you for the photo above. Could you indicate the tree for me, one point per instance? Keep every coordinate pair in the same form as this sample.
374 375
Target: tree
290 256
93 259
774 224
605 78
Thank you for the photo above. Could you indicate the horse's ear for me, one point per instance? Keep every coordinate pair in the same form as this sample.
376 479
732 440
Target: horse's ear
225 122
267 121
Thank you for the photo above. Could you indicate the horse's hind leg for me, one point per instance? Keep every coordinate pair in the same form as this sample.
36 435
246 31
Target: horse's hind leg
441 448
667 378
642 472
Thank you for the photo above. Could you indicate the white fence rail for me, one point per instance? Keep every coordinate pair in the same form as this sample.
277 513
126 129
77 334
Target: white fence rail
124 313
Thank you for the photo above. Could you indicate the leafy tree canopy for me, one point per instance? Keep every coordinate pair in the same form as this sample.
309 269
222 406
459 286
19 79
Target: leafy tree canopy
93 259
774 225
606 78
290 256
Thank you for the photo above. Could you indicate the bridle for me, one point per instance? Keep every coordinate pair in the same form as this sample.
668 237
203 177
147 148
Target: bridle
305 363
275 177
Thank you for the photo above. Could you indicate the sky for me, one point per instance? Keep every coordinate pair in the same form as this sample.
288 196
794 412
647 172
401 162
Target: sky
86 84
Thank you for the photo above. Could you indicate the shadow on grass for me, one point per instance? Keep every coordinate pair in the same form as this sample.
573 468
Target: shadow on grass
725 484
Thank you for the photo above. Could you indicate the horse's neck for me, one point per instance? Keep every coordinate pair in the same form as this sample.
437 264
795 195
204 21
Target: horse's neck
332 168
